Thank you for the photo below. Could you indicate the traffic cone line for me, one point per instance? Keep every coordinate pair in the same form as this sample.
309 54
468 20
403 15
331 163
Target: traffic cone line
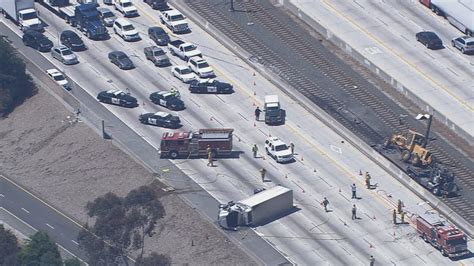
254 104
254 74
286 176
254 124
210 119
254 93
270 135
370 245
254 83
302 159
263 157
340 190
360 172
374 218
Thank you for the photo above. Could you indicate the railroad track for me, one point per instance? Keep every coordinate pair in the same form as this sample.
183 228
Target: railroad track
285 48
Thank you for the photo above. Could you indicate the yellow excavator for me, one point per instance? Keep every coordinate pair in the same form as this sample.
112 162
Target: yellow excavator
413 145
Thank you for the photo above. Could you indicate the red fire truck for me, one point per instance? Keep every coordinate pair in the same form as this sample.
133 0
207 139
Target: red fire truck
442 235
192 144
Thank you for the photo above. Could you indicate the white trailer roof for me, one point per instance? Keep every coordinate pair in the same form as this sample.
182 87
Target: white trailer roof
264 196
461 10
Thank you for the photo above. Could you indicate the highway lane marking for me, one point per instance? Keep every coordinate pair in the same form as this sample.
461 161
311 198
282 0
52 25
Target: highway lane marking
40 200
34 229
74 242
50 226
383 44
25 210
16 217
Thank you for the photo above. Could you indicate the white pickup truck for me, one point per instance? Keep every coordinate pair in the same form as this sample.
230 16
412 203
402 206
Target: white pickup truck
183 50
174 20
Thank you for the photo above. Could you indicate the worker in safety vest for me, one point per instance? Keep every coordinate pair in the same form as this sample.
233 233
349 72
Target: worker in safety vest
367 180
209 156
263 171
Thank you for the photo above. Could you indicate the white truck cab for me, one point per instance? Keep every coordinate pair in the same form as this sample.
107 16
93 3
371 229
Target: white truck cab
273 112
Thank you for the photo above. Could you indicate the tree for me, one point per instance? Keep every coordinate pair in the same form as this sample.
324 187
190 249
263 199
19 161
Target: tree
72 262
15 84
121 225
9 247
40 250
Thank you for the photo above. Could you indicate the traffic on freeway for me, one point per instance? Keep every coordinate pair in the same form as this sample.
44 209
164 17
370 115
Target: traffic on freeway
327 197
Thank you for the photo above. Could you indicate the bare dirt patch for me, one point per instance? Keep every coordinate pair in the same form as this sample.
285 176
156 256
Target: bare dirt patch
67 164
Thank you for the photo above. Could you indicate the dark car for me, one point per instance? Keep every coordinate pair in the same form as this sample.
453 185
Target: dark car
121 60
117 97
157 4
429 39
37 40
210 86
158 35
167 99
156 55
161 119
70 39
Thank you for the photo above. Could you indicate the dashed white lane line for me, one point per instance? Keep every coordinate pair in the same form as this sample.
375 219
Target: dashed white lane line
25 210
75 242
50 226
1 195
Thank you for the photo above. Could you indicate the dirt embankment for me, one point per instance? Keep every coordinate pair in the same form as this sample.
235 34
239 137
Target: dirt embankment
67 164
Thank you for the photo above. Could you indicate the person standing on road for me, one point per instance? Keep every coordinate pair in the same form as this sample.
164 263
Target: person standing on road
354 191
209 156
257 113
292 148
367 180
263 171
354 212
372 260
325 204
254 150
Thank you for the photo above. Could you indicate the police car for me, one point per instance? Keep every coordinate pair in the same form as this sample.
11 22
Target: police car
161 119
117 97
168 99
210 86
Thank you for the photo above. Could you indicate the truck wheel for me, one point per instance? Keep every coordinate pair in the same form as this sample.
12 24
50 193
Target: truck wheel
443 252
406 155
425 238
463 51
174 154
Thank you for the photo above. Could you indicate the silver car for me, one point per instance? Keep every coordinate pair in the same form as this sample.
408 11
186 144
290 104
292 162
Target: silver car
464 43
64 54
107 16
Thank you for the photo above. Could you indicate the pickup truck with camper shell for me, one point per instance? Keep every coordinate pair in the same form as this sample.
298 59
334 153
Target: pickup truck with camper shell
174 20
